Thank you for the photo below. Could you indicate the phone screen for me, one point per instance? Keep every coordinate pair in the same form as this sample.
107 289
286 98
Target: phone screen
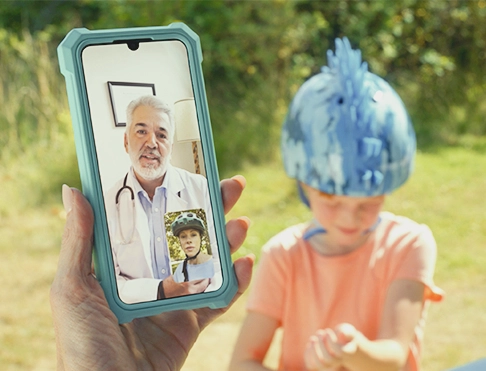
152 169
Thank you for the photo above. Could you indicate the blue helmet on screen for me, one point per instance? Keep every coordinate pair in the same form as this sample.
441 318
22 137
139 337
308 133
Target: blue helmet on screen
347 131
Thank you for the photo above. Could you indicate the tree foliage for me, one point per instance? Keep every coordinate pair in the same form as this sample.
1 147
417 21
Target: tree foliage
257 53
433 52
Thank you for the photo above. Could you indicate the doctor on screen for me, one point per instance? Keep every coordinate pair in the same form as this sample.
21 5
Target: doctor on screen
136 205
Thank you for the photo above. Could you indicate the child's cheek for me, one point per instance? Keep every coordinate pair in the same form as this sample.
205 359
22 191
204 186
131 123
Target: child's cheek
325 215
370 218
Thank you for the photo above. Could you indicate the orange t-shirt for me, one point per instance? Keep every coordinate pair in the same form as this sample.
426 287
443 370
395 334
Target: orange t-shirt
306 291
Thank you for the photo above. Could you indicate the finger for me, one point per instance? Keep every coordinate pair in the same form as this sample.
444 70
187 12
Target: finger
345 332
236 230
77 240
231 190
331 345
348 338
202 284
319 356
323 353
310 357
199 286
243 270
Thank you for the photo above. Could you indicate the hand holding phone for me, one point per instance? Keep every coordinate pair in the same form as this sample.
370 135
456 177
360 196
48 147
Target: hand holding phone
88 335
146 158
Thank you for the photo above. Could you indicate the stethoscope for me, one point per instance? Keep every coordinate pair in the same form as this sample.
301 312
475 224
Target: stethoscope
125 241
117 199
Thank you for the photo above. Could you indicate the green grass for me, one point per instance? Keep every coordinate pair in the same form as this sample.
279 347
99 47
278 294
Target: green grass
29 247
446 192
270 201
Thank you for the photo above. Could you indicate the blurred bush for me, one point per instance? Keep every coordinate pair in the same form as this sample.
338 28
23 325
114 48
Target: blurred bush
36 145
256 54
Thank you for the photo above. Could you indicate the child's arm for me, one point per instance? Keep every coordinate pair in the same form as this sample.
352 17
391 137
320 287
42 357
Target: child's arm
252 345
346 347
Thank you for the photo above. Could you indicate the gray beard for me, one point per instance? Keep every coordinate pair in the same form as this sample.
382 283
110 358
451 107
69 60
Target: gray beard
150 173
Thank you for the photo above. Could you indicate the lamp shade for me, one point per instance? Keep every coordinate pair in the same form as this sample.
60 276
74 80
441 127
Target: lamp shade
186 125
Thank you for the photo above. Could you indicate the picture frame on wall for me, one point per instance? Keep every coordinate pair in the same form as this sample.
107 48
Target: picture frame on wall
122 93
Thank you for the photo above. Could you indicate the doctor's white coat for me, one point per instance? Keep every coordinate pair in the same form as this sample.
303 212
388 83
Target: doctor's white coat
133 260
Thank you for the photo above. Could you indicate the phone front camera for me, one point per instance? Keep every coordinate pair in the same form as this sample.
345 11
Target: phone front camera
133 45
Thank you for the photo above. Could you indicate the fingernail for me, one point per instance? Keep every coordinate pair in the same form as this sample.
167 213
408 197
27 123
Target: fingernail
67 198
240 179
245 220
252 257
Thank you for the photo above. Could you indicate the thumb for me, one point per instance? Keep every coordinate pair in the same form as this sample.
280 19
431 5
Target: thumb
345 333
77 241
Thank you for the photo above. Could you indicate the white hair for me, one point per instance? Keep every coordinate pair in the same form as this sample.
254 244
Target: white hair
157 104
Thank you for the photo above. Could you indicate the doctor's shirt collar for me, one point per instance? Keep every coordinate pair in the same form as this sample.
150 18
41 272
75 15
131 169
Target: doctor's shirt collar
138 189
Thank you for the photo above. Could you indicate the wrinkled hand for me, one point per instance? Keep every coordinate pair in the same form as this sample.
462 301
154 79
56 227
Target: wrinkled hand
327 349
88 336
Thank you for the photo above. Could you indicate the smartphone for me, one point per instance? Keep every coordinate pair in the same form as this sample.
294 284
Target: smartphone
148 167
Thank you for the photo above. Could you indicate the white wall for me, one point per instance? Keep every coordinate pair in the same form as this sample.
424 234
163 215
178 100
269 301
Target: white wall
162 63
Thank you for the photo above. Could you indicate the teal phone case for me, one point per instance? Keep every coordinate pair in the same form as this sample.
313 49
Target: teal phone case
70 59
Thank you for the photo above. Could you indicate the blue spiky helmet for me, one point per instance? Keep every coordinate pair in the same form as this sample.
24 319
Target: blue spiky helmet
347 131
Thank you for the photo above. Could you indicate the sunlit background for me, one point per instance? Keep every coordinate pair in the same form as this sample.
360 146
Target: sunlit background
256 54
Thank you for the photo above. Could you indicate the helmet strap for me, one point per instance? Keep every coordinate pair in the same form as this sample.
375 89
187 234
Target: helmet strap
374 226
302 195
313 231
319 229
184 265
193 257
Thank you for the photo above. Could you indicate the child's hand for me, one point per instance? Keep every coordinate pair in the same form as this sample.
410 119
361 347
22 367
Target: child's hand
328 348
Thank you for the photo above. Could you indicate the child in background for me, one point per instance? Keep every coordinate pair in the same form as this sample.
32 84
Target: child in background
350 287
